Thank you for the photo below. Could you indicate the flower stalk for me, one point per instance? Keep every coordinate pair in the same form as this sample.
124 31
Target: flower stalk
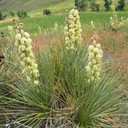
27 59
94 61
72 30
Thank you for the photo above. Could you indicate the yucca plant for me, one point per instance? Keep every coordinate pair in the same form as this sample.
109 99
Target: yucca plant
32 105
64 93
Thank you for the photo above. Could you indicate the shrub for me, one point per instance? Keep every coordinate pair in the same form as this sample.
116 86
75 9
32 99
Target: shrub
116 23
97 7
94 6
121 5
22 14
2 16
107 4
46 12
12 14
82 5
76 3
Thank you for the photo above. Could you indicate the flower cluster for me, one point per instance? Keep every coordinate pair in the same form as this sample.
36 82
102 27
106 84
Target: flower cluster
115 24
56 27
27 60
12 33
72 30
40 30
94 61
93 25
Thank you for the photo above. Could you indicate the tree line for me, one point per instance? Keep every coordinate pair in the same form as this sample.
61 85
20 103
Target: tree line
82 5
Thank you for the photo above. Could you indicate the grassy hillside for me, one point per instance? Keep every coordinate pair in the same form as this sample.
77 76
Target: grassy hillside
37 5
28 5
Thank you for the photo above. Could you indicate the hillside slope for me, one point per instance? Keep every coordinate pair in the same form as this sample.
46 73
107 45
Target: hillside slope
36 6
29 5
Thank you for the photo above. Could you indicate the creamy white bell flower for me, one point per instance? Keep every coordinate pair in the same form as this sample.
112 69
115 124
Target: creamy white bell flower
27 59
72 30
94 61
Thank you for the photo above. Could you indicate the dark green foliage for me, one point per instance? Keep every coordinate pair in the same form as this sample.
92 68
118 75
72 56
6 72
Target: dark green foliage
121 5
46 12
81 5
97 7
107 4
76 3
22 14
94 6
2 16
12 13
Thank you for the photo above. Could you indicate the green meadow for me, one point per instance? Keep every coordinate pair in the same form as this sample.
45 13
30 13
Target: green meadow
46 22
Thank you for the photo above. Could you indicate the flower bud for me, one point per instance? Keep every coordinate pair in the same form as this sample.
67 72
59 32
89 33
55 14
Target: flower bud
23 40
98 46
95 68
28 59
91 55
94 61
36 82
90 48
96 50
22 63
22 55
26 34
18 36
98 57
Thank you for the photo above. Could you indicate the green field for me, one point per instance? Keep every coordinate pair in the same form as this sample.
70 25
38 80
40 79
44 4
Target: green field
44 22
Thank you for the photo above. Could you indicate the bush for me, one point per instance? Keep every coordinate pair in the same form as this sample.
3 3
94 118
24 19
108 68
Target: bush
97 7
12 14
22 14
115 22
46 12
107 4
121 5
94 6
81 5
2 16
